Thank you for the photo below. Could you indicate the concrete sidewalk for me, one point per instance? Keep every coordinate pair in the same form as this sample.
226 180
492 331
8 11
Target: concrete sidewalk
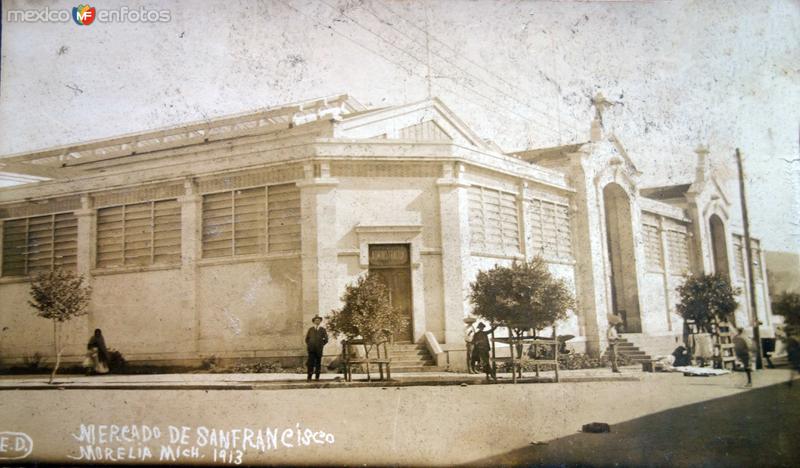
279 381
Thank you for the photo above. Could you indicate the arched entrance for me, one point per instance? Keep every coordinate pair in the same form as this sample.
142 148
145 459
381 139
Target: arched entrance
719 246
621 257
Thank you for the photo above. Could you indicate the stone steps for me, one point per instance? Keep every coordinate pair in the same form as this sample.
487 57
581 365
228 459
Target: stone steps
411 357
629 350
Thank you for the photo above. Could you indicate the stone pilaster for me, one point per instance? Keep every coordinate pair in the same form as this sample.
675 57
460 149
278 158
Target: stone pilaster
454 219
665 253
85 254
589 251
191 238
318 242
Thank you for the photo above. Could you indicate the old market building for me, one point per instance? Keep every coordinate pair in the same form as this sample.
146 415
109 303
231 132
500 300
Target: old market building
225 237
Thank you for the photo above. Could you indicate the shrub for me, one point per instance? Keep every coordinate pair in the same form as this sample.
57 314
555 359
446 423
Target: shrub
257 367
210 363
34 362
788 305
116 361
574 361
707 299
522 296
367 312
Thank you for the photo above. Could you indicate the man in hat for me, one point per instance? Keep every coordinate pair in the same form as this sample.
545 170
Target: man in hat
741 347
316 339
469 333
613 338
480 341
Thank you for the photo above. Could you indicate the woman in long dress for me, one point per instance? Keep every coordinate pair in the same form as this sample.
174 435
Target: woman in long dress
97 354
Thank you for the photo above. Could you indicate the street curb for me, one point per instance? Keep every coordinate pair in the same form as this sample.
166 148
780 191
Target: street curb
313 385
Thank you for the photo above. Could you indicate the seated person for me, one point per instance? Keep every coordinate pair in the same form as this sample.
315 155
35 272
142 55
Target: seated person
682 357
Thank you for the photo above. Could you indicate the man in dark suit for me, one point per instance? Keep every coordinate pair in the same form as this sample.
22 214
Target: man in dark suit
316 339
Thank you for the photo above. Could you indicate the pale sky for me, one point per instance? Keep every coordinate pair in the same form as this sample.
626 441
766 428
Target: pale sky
724 74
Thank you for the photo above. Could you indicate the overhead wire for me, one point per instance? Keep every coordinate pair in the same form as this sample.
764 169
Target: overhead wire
478 65
468 88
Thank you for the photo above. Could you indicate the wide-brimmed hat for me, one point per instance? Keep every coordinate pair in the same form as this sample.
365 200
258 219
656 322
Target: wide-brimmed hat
316 317
469 320
614 319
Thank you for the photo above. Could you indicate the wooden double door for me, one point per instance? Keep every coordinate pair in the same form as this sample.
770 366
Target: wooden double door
392 264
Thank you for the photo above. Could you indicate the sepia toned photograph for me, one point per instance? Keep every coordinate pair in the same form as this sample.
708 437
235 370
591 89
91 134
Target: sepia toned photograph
400 233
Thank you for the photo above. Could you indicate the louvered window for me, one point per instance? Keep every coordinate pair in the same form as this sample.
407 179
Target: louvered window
139 234
39 243
678 245
652 247
494 221
284 218
756 252
251 221
550 234
738 257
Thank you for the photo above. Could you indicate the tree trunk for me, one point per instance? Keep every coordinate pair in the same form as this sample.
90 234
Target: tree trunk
57 349
367 349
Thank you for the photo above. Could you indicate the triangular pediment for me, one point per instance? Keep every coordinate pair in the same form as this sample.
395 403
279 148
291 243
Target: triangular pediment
710 188
428 120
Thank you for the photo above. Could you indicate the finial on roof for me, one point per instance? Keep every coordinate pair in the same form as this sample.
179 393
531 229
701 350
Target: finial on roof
702 168
600 104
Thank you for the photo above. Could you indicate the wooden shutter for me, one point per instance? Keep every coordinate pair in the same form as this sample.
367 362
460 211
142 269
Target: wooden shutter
563 231
756 253
652 247
509 223
678 245
550 231
65 241
738 257
284 218
494 221
15 232
39 243
110 231
139 234
166 232
218 225
249 222
491 221
477 231
234 223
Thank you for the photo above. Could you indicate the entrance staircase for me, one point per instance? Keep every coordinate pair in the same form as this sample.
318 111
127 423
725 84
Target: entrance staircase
630 350
411 357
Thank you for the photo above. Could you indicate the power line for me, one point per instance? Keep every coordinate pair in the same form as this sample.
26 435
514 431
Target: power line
417 59
410 71
465 72
455 52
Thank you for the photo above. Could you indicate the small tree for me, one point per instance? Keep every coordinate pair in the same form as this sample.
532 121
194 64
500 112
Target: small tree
367 312
522 296
59 296
707 300
788 305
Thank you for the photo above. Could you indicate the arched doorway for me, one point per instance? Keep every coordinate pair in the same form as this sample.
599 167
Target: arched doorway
621 256
719 246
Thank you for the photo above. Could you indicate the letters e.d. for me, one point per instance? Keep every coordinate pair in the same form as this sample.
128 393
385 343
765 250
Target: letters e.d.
15 445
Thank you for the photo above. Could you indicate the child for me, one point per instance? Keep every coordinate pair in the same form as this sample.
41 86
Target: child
741 347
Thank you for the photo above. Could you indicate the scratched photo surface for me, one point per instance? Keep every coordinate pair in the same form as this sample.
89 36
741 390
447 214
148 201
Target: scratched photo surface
298 232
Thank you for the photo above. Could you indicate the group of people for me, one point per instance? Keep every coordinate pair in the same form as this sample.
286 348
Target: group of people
695 350
478 347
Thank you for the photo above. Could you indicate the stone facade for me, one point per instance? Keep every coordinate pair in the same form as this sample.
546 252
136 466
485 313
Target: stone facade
224 238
